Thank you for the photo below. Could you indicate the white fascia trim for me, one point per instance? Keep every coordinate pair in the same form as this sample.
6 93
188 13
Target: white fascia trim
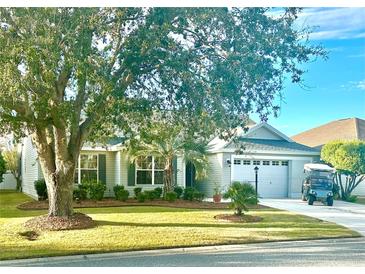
271 157
102 148
269 127
299 153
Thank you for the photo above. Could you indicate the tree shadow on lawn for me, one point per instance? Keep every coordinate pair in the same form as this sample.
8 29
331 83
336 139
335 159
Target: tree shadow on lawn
261 224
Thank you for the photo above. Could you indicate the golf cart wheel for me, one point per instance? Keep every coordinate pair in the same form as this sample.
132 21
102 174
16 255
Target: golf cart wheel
330 201
303 197
310 200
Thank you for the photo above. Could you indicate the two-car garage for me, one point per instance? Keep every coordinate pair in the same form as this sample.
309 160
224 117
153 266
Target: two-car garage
272 175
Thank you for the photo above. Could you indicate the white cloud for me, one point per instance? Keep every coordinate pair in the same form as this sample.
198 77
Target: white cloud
360 84
334 23
354 85
361 55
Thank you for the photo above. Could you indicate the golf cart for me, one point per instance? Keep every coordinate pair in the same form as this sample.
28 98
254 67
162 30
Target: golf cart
318 184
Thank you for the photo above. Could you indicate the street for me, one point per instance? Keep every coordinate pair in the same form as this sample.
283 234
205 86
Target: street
335 252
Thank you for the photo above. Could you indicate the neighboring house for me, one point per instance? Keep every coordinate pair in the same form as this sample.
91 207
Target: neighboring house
9 182
343 129
280 161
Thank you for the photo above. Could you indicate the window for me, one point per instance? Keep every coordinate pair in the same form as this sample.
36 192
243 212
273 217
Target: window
246 162
86 168
256 163
266 163
275 163
237 162
158 170
284 163
149 170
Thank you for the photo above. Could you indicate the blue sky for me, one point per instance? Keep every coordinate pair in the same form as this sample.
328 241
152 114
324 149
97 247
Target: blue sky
337 85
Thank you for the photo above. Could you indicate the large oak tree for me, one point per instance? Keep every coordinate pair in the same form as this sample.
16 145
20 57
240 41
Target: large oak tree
73 74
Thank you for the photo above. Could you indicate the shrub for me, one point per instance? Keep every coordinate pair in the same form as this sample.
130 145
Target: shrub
80 192
191 193
41 189
179 191
241 195
171 196
120 193
198 196
137 190
95 189
141 197
150 194
188 193
158 191
351 199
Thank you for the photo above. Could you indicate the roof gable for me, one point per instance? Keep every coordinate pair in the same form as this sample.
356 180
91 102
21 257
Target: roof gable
261 132
265 131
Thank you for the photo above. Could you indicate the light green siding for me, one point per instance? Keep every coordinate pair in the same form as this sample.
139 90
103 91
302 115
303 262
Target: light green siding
215 174
180 181
30 168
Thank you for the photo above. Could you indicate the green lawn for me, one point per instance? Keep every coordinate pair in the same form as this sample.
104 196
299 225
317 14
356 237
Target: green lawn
361 200
140 227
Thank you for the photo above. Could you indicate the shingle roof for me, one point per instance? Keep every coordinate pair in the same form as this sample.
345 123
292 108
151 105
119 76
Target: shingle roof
345 129
278 145
110 142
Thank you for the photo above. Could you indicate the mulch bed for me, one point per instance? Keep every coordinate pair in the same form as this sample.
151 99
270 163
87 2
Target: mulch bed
238 219
45 222
110 202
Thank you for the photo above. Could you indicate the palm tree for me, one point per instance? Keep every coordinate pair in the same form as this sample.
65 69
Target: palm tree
168 141
241 195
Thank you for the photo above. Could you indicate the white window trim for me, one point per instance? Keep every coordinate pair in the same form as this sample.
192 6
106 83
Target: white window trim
144 169
78 168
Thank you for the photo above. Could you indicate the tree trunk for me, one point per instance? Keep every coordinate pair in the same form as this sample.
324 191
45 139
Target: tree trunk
18 183
169 175
60 193
58 171
238 211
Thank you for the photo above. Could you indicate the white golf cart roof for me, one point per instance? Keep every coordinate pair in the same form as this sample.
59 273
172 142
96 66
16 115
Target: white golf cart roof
319 167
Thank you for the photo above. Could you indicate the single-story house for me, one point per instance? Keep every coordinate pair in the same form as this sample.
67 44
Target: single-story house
280 161
343 129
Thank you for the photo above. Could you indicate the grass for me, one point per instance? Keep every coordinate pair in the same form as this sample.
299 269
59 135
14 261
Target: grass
140 227
361 200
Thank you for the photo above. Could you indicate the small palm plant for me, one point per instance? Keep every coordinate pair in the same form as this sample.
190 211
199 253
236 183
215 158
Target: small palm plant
241 195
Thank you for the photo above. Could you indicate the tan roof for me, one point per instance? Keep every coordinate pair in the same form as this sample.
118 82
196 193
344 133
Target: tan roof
344 129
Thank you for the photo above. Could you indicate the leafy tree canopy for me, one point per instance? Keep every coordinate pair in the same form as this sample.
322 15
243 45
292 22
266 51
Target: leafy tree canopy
12 159
72 74
101 64
348 156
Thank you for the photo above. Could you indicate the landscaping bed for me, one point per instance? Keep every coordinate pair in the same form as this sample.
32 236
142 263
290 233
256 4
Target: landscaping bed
45 222
110 202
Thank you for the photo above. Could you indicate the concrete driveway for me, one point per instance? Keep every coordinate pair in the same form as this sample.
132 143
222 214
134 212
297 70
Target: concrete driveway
343 213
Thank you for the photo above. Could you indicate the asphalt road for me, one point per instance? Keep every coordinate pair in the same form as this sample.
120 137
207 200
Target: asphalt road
340 252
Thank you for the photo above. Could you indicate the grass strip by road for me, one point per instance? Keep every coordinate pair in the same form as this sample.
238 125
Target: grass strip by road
147 227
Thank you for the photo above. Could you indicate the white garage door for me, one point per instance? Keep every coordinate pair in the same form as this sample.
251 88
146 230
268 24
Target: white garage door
272 176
